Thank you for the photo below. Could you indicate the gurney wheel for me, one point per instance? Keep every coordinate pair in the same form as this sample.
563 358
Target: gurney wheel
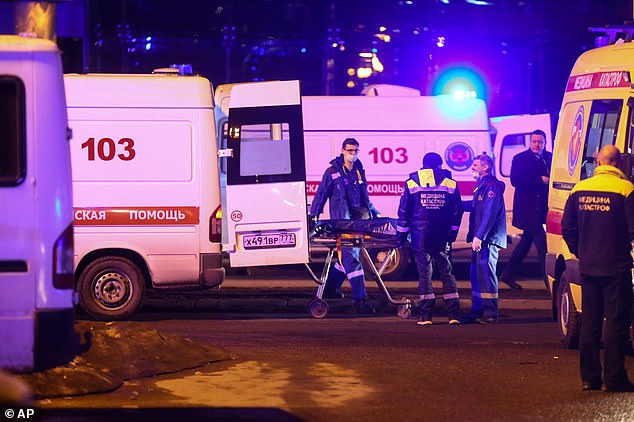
318 308
404 311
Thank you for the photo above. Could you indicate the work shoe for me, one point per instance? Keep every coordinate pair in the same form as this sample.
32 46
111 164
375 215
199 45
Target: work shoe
471 319
590 385
454 321
333 294
512 284
486 320
363 307
621 388
424 321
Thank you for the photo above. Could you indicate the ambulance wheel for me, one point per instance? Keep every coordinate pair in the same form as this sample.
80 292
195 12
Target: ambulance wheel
397 265
404 311
111 288
318 308
568 316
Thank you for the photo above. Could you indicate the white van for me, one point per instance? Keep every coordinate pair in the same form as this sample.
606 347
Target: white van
396 127
597 110
36 228
147 202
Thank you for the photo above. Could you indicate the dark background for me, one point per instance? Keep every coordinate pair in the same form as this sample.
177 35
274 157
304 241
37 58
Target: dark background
521 50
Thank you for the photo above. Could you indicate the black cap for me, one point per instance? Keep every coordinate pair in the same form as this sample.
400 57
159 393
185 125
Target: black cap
432 160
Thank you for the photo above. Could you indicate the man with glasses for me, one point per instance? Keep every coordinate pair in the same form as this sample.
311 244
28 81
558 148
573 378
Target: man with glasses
345 186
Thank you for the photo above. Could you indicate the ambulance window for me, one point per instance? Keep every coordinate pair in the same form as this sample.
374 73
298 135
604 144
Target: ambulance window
259 144
13 133
267 144
603 123
512 144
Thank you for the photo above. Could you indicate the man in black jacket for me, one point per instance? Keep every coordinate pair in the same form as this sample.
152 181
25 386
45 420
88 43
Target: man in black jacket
430 210
530 172
598 227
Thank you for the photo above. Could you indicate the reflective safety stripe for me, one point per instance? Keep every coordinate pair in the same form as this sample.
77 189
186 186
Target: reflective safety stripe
426 178
450 296
449 184
339 267
402 229
486 295
427 297
355 274
416 189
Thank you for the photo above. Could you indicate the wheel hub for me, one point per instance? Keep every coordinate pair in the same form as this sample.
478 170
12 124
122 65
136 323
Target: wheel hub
112 290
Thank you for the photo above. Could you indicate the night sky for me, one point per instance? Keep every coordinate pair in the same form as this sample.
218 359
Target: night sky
521 50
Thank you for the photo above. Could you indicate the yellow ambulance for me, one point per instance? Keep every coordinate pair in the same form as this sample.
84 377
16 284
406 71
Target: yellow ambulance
597 110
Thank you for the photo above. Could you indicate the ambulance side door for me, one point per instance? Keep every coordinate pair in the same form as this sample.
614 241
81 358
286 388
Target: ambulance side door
514 136
265 206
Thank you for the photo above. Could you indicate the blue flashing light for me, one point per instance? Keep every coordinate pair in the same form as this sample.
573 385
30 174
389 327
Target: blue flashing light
148 39
460 83
458 108
303 50
148 46
374 50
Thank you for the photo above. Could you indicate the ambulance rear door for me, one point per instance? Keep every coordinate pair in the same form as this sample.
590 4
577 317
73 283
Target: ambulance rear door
513 135
265 205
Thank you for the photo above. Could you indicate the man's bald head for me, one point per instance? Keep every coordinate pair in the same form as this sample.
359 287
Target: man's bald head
609 155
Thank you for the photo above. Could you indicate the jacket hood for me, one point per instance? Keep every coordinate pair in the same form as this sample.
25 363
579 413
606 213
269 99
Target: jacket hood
609 170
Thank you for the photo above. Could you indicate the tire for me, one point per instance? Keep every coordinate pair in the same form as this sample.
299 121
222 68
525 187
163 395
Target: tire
396 268
568 316
111 288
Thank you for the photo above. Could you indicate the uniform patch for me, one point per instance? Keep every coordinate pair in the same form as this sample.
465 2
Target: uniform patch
459 156
490 194
576 139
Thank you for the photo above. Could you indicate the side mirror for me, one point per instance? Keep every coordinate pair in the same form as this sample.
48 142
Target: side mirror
626 165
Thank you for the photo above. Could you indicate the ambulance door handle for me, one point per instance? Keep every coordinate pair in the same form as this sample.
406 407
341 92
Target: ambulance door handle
225 152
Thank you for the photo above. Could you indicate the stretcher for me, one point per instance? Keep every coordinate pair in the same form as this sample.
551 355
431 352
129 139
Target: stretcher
378 233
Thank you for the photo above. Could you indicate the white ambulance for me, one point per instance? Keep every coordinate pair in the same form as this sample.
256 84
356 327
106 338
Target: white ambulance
36 228
147 204
597 110
396 127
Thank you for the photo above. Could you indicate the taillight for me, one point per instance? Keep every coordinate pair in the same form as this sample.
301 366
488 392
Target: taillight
63 264
215 225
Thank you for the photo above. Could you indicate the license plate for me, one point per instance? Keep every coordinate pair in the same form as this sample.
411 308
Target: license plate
271 240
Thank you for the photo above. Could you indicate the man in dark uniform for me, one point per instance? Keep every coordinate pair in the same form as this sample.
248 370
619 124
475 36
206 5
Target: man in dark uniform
530 172
430 210
598 227
345 186
487 234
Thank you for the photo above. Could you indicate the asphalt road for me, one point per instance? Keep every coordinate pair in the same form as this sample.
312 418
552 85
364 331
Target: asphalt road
289 366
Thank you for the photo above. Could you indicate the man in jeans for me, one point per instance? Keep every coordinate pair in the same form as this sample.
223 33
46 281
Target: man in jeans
345 186
430 211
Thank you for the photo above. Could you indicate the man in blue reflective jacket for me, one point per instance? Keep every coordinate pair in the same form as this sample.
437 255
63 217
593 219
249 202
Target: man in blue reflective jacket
487 234
430 210
345 186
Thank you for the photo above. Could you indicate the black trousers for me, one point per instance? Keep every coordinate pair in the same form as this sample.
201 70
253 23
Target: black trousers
609 297
537 236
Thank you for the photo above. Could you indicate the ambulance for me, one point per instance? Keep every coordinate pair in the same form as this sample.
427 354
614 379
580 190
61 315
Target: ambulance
597 110
147 205
396 127
37 312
